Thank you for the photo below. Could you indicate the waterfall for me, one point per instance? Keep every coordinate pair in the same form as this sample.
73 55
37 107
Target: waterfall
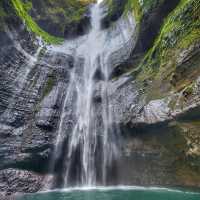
84 135
87 143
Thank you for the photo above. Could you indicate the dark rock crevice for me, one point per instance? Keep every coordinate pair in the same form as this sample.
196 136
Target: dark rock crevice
151 24
148 29
114 13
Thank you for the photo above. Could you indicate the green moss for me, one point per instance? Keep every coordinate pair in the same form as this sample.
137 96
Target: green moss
71 10
138 7
60 13
27 4
134 5
49 86
111 7
180 30
181 24
188 91
141 7
192 37
21 9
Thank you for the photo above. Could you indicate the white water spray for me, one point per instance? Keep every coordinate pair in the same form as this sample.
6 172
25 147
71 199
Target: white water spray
90 147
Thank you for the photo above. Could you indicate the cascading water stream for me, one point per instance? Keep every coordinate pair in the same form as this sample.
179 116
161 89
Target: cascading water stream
87 137
85 133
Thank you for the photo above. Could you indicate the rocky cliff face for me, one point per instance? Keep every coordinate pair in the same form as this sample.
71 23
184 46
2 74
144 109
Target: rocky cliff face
61 18
32 89
163 123
31 99
155 93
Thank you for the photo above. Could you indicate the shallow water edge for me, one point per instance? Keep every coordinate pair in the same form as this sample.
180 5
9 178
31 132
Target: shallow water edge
116 193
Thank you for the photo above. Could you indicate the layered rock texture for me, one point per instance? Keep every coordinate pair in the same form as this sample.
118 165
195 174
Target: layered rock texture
155 93
163 140
32 88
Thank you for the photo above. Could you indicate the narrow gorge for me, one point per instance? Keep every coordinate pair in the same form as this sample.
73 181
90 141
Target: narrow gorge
99 95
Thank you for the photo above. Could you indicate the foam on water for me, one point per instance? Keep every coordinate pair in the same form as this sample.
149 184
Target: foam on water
120 187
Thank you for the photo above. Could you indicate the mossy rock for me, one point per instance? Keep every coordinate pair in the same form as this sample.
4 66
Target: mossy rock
50 83
178 36
58 17
48 19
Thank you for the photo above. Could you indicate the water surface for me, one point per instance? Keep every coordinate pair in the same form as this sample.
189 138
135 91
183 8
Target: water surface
126 193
